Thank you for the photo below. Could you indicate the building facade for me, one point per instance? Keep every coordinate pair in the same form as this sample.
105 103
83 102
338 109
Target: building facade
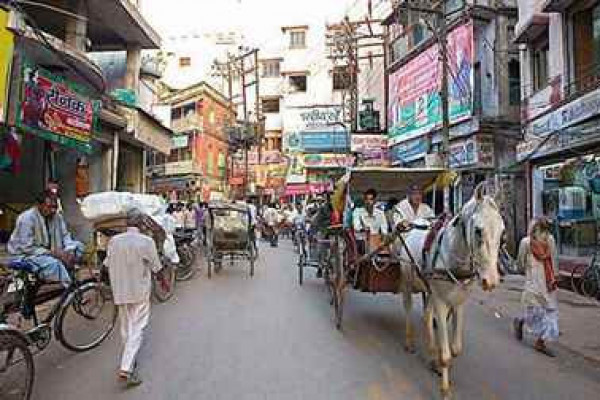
97 144
483 96
197 167
561 120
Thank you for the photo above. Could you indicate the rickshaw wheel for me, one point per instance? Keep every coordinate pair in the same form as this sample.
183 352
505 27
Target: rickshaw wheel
301 271
209 268
251 267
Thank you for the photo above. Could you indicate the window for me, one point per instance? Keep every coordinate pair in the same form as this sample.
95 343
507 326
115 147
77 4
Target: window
298 83
341 78
271 69
514 83
297 40
270 105
175 113
586 43
539 61
185 61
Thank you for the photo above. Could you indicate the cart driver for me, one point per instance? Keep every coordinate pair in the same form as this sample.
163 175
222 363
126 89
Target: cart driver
369 218
411 209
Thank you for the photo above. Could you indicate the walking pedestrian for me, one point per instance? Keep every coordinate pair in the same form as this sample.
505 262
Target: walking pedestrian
538 258
131 259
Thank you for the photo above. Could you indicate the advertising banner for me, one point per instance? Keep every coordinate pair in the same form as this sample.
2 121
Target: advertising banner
328 160
474 151
414 89
297 171
55 109
373 149
6 56
315 129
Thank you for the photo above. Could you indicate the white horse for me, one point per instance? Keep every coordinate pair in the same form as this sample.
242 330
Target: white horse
463 252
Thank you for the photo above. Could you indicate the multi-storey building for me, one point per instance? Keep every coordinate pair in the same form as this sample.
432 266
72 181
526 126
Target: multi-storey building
483 95
97 143
196 168
560 64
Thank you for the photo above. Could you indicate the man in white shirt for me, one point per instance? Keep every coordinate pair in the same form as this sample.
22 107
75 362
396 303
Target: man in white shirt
131 259
411 209
369 218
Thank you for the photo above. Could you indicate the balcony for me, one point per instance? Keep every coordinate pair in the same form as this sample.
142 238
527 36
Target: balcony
185 124
557 5
116 23
187 167
533 22
36 50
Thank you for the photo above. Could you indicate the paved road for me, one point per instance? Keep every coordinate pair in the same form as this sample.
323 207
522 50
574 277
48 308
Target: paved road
266 338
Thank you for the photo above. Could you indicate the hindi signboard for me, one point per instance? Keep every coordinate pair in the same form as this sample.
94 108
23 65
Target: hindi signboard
55 109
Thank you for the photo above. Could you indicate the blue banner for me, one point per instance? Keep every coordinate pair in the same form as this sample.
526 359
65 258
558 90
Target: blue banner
324 142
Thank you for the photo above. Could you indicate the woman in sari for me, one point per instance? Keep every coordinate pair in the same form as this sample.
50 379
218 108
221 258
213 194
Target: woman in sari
538 258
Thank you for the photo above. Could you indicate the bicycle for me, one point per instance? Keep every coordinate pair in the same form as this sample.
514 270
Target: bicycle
17 370
590 279
82 306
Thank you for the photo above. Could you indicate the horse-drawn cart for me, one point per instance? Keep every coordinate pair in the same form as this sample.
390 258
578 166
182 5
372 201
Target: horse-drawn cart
441 263
364 261
229 236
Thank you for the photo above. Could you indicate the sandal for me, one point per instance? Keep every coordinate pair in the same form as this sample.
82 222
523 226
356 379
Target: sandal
542 348
518 327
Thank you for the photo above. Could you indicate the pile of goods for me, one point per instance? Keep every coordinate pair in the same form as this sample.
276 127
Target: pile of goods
109 212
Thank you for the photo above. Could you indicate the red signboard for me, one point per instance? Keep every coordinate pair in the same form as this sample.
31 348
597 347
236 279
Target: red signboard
55 109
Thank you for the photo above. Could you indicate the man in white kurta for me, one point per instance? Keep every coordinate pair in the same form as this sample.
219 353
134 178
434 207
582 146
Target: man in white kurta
411 209
369 218
131 259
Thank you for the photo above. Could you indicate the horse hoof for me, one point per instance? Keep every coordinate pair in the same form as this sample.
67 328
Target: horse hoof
446 393
410 348
435 367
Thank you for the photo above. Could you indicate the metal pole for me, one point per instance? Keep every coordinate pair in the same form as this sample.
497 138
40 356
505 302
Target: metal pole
443 45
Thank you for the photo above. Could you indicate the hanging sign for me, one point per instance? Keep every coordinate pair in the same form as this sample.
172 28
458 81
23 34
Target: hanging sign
55 109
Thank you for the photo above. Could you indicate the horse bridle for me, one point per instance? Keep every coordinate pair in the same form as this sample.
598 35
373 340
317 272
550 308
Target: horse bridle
448 273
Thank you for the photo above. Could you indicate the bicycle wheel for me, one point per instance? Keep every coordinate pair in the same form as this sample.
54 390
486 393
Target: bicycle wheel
163 283
17 370
185 270
576 278
86 318
590 281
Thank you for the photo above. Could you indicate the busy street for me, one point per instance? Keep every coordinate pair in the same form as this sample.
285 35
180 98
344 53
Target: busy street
233 337
282 199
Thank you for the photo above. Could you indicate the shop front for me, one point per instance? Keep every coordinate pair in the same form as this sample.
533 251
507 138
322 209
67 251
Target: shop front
564 177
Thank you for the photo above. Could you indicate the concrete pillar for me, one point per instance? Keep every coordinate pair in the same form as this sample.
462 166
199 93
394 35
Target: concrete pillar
134 62
76 27
115 162
144 187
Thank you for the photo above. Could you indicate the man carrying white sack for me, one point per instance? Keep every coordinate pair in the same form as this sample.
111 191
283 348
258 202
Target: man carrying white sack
131 259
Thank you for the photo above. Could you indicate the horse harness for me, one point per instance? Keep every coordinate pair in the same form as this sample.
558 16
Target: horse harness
462 278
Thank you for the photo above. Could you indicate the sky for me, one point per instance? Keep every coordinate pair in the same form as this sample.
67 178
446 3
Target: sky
260 20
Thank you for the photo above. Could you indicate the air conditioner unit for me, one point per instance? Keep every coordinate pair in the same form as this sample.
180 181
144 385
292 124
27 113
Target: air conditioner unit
571 202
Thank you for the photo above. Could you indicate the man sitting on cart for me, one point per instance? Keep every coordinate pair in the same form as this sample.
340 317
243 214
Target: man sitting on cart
369 219
41 239
411 209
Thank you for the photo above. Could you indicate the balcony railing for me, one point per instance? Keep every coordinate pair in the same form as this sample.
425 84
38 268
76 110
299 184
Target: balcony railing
187 123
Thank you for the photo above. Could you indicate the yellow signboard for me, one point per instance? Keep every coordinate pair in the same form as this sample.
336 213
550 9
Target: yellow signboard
6 56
